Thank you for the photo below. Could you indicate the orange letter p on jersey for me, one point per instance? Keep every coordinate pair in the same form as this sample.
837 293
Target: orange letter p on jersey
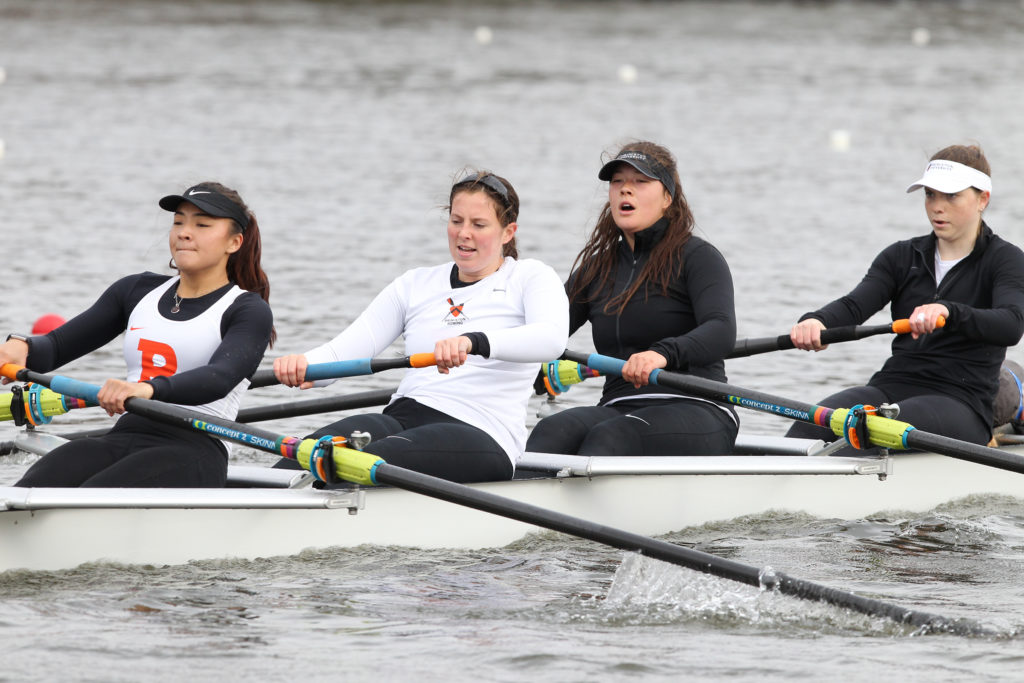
158 359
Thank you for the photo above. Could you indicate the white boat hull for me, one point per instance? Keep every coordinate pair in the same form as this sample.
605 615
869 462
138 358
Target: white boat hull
51 529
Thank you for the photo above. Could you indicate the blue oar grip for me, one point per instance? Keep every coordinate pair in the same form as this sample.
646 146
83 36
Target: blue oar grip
72 387
341 368
606 365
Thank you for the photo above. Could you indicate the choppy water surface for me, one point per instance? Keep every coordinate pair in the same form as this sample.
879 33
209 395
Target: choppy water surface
343 125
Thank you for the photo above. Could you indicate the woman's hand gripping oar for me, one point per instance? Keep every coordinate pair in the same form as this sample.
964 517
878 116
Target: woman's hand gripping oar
348 368
844 422
36 405
557 376
831 335
329 459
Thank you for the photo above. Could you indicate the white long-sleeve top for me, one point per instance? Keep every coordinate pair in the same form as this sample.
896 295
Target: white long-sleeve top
523 310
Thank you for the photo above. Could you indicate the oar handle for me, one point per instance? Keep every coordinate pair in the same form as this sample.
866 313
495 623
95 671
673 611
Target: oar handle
903 326
348 368
830 335
10 371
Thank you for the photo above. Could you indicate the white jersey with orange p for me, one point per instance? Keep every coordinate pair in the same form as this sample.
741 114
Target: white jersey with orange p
156 346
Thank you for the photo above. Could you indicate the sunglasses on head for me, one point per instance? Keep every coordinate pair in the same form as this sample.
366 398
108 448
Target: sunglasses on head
488 180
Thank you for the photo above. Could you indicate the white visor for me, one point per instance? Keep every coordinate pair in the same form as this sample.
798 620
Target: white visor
951 177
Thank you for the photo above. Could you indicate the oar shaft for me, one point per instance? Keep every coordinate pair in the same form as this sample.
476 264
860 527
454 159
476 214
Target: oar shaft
976 453
277 411
705 388
661 550
348 368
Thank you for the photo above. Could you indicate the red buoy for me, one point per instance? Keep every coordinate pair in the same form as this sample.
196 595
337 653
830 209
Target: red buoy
46 323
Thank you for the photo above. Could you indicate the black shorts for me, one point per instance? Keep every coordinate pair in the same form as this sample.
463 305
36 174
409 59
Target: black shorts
136 452
415 437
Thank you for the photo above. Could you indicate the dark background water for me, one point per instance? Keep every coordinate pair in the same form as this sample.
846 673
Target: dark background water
343 124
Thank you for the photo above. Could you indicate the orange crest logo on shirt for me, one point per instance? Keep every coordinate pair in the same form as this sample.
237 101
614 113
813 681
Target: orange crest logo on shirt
455 316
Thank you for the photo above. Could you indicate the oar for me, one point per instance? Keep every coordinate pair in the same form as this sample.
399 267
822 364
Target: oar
327 460
348 368
558 376
313 406
275 411
831 335
37 407
882 431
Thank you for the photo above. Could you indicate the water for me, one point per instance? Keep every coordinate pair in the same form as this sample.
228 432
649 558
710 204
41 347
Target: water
343 124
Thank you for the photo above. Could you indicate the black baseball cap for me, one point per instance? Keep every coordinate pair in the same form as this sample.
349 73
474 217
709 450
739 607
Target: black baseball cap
210 201
643 163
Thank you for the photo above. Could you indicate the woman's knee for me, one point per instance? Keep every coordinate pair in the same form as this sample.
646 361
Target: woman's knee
619 436
378 426
564 432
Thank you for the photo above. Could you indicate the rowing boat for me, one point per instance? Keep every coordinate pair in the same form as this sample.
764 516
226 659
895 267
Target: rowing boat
267 512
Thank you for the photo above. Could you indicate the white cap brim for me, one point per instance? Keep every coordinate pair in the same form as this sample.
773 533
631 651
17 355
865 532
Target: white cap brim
950 177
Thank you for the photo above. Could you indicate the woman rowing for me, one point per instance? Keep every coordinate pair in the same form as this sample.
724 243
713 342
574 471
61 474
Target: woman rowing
944 379
191 339
660 297
487 317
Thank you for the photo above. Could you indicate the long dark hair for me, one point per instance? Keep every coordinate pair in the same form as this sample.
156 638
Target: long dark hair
506 205
244 267
596 261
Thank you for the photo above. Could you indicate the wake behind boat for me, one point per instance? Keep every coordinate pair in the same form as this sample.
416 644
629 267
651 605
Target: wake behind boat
269 512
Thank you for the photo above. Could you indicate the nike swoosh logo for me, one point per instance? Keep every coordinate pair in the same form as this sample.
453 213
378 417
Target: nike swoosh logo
192 192
132 329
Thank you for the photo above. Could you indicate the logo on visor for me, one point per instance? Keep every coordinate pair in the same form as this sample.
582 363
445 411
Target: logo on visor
639 156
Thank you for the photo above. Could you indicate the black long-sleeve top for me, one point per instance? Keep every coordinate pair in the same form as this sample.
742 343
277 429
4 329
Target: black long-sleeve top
984 293
693 326
245 330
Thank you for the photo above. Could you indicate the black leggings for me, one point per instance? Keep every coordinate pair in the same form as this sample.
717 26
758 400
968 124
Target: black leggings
413 436
136 452
933 413
640 427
